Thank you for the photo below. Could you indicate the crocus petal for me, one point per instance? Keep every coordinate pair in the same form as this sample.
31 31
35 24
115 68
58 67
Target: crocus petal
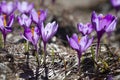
19 6
73 43
106 21
27 34
85 42
80 27
43 15
1 21
89 43
21 22
10 7
75 37
51 29
42 30
24 6
34 15
30 7
36 35
112 26
95 21
3 6
11 20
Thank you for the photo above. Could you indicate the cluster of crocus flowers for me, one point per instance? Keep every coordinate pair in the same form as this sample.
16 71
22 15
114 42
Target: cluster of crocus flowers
103 24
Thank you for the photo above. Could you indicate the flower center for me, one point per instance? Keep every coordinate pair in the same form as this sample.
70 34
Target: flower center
103 17
79 39
32 30
39 13
4 21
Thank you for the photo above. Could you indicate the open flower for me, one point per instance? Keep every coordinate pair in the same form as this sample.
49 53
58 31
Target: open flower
116 4
38 16
85 29
80 45
7 8
32 35
103 24
24 20
25 7
48 31
5 25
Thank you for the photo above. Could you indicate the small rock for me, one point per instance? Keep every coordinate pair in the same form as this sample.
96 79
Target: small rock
4 69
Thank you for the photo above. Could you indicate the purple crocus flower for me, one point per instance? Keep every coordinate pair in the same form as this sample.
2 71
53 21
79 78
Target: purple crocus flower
24 20
32 35
80 45
25 7
7 8
48 31
38 16
103 24
5 25
116 4
85 29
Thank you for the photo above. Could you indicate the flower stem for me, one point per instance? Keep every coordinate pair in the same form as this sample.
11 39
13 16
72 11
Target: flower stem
79 61
37 55
97 49
4 38
46 69
44 54
27 46
38 62
1 44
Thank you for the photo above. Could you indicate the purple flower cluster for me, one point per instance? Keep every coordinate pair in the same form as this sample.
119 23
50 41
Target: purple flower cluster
28 16
100 24
31 16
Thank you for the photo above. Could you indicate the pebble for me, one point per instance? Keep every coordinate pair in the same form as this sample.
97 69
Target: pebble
3 71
